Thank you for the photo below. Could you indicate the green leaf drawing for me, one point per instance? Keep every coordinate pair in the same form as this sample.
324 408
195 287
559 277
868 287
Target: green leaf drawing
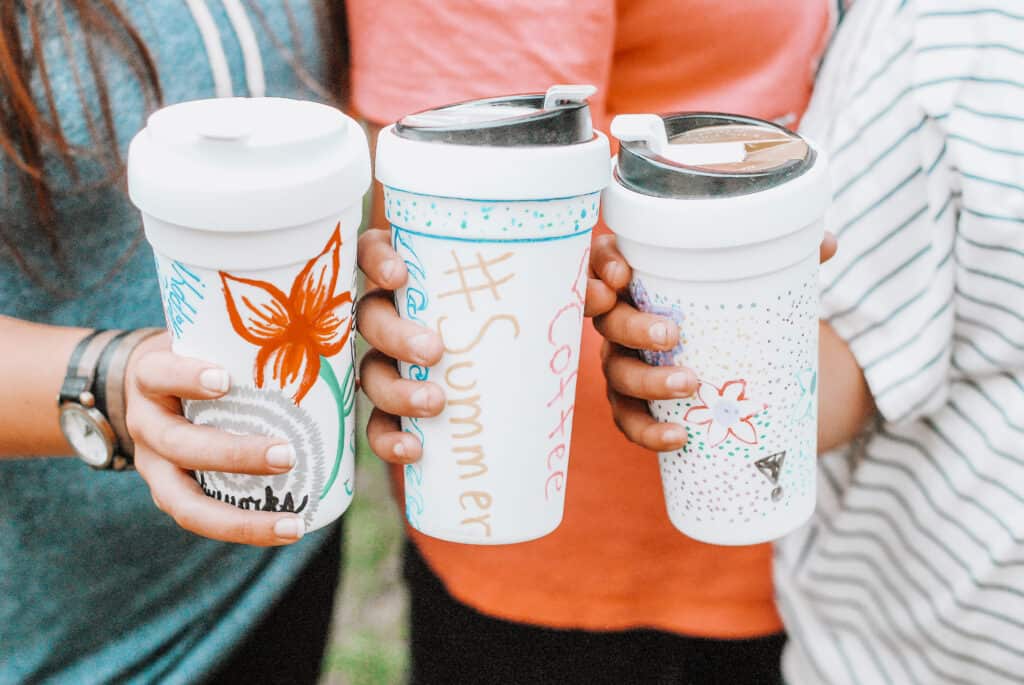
345 399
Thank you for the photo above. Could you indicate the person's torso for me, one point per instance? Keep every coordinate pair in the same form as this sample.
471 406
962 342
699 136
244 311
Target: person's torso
616 562
912 568
96 584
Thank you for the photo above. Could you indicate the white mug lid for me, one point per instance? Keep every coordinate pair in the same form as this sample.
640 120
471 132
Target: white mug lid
247 164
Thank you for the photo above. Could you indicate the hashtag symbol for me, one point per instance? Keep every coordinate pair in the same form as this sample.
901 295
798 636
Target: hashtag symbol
481 270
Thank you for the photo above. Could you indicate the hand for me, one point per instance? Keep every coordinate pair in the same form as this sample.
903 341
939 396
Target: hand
631 382
393 338
168 447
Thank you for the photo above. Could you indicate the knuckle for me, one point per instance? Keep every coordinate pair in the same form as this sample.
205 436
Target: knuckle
234 453
369 370
133 423
144 371
604 241
169 437
142 464
244 530
186 515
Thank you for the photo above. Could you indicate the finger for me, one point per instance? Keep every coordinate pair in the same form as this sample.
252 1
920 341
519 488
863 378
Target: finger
637 424
397 338
162 373
608 264
600 298
179 496
637 330
631 377
379 261
395 395
204 448
829 245
384 433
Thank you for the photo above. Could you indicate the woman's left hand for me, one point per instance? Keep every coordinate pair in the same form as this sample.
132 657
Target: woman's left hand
631 382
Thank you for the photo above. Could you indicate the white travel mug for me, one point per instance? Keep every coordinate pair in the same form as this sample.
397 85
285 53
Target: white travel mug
491 204
720 218
252 207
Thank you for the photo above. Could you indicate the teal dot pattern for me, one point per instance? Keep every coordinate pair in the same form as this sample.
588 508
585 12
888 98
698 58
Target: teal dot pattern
492 220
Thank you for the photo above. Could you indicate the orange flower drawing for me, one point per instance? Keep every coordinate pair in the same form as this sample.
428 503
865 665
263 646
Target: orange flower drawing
293 332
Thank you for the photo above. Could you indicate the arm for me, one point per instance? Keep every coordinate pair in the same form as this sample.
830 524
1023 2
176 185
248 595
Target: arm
33 362
844 402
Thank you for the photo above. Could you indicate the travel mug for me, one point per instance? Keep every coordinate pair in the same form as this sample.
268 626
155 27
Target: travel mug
491 204
720 218
252 207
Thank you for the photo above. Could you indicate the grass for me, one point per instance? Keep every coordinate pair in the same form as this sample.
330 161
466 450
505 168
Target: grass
368 637
368 644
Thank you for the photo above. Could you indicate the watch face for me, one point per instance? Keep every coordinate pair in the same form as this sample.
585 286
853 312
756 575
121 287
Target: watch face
86 435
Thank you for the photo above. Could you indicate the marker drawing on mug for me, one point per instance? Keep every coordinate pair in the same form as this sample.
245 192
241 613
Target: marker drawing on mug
563 336
503 284
182 291
470 275
413 307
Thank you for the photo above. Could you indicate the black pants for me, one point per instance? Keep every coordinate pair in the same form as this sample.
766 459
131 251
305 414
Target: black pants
288 645
454 645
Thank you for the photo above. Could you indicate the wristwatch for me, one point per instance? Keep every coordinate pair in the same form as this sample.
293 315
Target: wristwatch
91 401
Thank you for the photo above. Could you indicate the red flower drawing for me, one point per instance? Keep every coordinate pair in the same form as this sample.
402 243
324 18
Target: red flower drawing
726 411
294 331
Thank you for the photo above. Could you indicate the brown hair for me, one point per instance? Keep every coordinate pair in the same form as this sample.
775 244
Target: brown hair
30 127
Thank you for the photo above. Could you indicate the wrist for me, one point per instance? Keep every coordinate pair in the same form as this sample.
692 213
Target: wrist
92 398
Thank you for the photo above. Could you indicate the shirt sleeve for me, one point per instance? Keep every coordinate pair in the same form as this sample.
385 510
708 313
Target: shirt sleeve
926 164
408 55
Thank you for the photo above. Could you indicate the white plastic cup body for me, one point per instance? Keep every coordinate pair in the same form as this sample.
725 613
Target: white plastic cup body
203 275
503 283
748 313
254 233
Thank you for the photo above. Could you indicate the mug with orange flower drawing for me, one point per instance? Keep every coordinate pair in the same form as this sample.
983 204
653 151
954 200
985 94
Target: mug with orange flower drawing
284 335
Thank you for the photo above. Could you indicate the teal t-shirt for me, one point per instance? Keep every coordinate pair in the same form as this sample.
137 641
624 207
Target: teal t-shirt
96 585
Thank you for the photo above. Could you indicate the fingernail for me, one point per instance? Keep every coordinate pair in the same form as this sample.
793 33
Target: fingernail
290 528
398 450
612 272
678 382
388 268
215 380
674 435
658 333
281 456
421 399
421 345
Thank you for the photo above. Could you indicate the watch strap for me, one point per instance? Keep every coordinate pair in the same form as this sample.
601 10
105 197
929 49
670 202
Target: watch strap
74 383
82 365
109 384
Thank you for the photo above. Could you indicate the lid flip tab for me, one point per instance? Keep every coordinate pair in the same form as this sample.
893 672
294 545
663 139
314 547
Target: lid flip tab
573 94
650 129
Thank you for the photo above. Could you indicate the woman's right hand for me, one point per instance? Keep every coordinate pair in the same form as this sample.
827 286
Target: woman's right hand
168 447
393 338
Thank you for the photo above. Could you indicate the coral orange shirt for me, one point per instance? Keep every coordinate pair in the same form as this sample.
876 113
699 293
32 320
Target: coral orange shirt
616 562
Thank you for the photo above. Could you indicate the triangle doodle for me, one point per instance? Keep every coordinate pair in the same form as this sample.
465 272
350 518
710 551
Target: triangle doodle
771 468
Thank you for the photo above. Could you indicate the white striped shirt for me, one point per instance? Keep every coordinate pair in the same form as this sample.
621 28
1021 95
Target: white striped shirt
912 568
